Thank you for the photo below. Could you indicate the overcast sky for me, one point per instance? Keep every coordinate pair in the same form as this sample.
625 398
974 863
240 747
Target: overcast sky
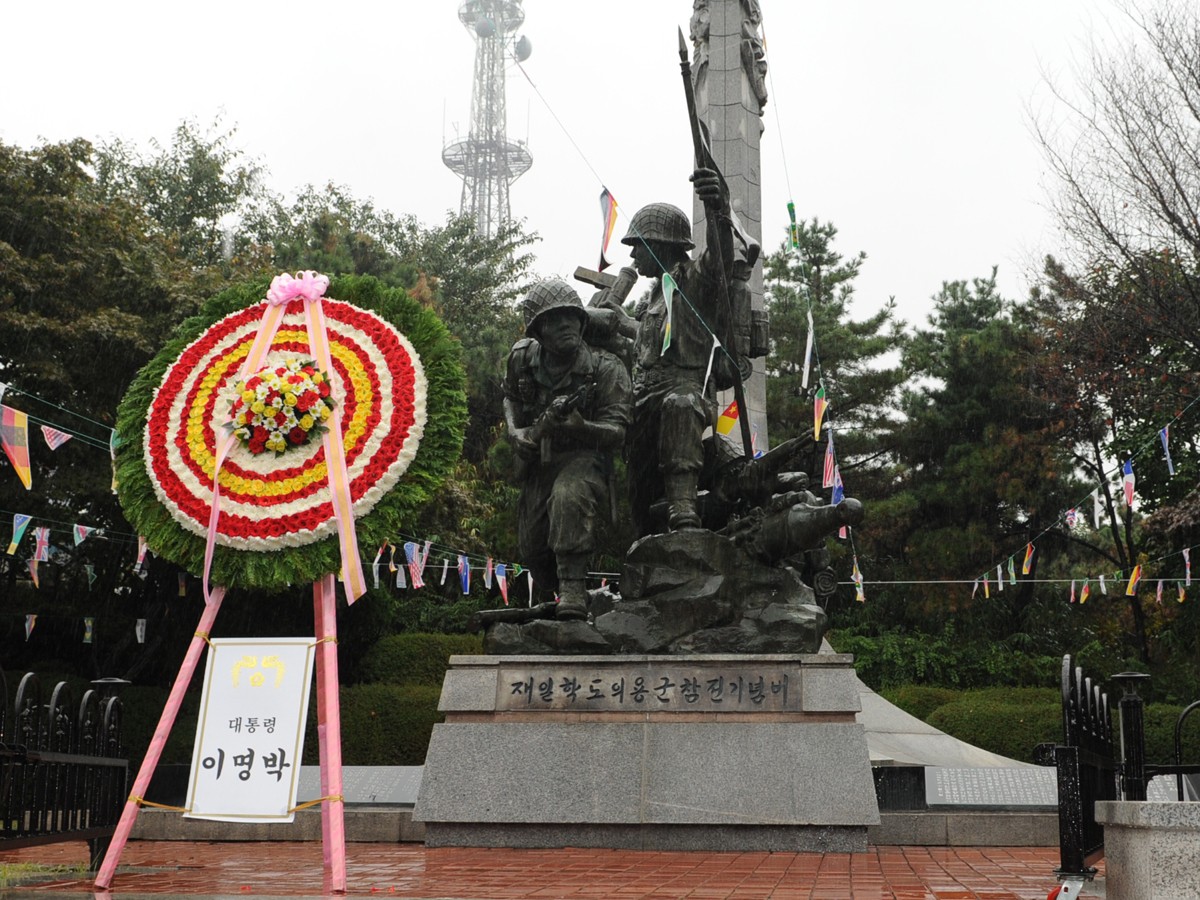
904 124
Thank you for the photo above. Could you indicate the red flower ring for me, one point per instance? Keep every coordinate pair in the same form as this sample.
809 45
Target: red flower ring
270 502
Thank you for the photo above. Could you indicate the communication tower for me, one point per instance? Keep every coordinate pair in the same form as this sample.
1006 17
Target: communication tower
487 162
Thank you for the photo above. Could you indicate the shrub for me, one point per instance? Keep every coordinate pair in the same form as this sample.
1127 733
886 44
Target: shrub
919 699
382 724
415 658
1007 721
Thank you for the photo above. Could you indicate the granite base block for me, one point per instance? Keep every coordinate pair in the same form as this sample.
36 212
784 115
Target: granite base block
1151 850
747 838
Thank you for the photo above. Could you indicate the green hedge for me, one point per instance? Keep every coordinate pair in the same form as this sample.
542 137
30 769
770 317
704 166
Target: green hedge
382 724
1008 721
415 658
919 699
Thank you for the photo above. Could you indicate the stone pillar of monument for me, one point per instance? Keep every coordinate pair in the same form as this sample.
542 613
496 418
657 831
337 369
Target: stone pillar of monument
729 71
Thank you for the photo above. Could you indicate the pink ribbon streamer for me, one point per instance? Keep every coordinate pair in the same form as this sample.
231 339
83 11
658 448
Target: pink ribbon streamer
309 287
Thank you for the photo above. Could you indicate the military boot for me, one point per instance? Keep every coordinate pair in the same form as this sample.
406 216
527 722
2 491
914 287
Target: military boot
681 501
572 590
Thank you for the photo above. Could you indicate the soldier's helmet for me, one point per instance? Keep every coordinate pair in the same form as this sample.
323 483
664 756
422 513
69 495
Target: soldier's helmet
547 295
660 222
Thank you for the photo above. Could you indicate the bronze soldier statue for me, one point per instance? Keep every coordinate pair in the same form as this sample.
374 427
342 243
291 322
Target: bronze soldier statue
672 405
566 408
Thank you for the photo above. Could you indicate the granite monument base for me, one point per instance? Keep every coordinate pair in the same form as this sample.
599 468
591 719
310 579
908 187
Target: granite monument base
704 752
1151 850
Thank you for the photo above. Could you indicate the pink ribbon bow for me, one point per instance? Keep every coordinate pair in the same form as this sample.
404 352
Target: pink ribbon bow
307 286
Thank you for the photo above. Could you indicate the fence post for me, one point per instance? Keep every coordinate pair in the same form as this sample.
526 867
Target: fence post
1133 736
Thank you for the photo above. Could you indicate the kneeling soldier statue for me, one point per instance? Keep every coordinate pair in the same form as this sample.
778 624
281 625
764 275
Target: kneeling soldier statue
566 407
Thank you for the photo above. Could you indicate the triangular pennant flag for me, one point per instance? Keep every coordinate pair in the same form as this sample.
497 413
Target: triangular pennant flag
3 388
14 437
88 624
1134 578
139 629
41 552
1187 567
415 566
391 557
143 548
857 578
1182 593
1072 590
830 462
668 288
113 442
375 565
183 584
1071 517
808 354
502 581
1027 565
727 419
1165 434
712 355
487 573
1103 586
20 523
608 210
464 573
820 404
54 437
91 574
793 230
1128 481
529 581
445 569
1000 577
1158 593
33 572
974 588
30 621
755 453
987 593
401 581
1084 592
1096 509
1012 571
81 533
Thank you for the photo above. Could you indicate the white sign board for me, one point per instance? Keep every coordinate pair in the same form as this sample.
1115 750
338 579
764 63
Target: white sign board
246 761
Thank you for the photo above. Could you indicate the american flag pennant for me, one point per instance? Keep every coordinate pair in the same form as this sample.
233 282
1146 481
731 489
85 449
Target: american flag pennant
54 437
1187 567
33 574
808 353
1158 593
820 404
1072 590
1012 571
41 551
88 624
413 555
668 288
1000 577
464 573
1027 565
139 629
1103 586
30 621
1072 515
1084 592
1134 578
830 462
488 570
856 576
80 533
14 438
502 581
1165 434
608 210
20 523
1128 481
182 584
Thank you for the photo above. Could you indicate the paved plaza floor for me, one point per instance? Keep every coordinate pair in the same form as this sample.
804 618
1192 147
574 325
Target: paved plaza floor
247 869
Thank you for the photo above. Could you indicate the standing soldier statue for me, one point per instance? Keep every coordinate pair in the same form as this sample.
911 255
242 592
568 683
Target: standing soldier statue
674 390
566 407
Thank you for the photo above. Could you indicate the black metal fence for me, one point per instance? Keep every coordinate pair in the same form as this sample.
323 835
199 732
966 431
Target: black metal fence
63 771
1094 765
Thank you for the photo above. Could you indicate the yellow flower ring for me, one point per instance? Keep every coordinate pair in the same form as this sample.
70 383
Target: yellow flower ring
279 506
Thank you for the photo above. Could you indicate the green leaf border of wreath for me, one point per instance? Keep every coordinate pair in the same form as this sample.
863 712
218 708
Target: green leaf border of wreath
441 444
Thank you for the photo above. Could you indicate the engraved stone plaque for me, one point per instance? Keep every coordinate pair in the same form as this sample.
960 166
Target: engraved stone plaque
379 785
992 788
567 686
